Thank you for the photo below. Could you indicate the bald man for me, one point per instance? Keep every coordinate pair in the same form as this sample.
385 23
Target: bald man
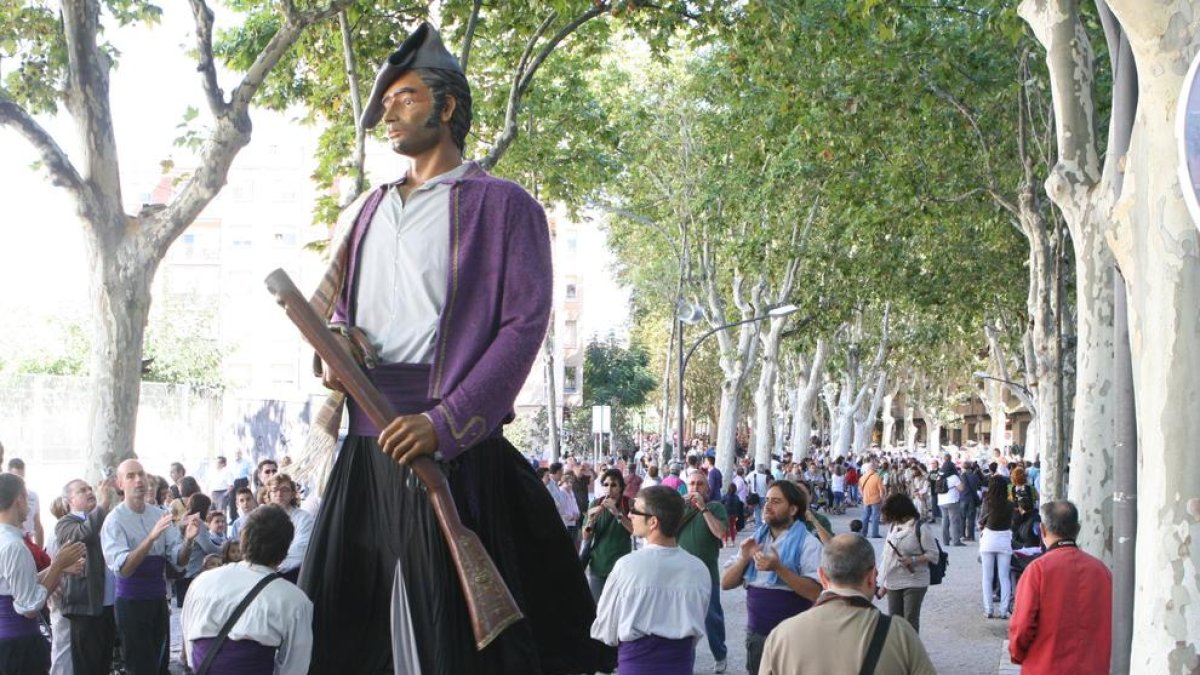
139 541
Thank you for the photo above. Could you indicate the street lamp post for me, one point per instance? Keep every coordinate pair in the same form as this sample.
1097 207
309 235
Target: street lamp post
777 312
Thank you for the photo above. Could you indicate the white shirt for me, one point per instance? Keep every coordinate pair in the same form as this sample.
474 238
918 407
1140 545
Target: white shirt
18 574
281 615
656 590
568 508
34 507
302 521
403 265
952 495
124 529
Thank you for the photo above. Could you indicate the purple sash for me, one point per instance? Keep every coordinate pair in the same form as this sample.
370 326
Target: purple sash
148 581
404 385
237 657
13 625
654 655
767 607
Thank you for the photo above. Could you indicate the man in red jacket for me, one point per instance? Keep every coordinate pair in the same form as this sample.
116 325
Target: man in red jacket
1062 622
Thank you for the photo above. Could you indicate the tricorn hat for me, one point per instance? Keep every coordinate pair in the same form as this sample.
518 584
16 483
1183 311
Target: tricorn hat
422 49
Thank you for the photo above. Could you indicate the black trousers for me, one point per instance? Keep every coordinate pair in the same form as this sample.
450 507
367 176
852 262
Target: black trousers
29 655
376 521
144 626
92 640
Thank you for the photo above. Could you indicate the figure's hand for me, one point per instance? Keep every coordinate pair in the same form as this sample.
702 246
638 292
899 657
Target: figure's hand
766 562
107 491
161 526
408 437
696 500
749 549
594 511
76 569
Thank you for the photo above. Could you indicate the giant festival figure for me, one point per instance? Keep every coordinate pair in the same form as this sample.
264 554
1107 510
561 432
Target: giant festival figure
441 283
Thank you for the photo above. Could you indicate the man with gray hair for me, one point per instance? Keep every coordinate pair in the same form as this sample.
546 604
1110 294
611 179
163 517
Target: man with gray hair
843 629
1062 619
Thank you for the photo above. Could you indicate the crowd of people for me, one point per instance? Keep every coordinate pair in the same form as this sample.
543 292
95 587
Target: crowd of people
783 563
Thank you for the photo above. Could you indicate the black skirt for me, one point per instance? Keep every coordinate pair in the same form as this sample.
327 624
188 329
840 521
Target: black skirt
376 522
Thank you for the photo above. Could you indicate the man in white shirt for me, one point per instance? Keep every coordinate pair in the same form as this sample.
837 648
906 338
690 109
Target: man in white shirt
22 593
274 633
568 508
654 603
139 540
32 525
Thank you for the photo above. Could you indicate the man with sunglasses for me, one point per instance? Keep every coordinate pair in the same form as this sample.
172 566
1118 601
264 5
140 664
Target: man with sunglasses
653 606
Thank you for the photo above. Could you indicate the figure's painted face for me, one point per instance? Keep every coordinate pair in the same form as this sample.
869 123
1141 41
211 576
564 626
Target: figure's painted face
412 128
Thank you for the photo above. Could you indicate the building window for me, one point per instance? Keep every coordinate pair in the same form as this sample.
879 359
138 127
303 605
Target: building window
572 291
571 328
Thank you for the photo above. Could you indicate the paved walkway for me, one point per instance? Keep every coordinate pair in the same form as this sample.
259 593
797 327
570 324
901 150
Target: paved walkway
953 627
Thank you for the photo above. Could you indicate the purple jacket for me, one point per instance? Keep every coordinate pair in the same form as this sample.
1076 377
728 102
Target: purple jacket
500 290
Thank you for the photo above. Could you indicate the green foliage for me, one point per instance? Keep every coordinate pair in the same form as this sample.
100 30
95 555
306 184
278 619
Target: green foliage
182 345
614 375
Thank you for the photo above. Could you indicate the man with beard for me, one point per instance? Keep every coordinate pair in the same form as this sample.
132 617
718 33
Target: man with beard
441 284
778 566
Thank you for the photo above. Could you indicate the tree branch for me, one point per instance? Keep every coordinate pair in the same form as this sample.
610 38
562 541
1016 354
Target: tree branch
62 172
469 36
87 99
208 70
293 25
525 72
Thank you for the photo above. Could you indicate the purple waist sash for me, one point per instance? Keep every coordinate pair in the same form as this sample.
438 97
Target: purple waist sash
237 657
404 385
654 655
13 625
148 581
767 607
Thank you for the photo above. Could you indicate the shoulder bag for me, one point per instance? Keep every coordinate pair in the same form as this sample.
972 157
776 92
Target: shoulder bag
219 641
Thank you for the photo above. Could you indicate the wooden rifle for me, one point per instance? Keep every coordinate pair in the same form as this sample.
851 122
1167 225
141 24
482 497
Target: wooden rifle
489 602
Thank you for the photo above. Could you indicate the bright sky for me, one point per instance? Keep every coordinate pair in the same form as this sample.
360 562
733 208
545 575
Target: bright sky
41 244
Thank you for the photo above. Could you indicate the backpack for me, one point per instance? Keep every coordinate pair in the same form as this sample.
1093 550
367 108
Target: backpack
940 485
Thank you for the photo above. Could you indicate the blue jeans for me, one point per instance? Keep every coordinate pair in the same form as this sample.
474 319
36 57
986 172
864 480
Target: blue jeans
714 624
871 520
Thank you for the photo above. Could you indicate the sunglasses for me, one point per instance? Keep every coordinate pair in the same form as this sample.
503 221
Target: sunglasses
635 512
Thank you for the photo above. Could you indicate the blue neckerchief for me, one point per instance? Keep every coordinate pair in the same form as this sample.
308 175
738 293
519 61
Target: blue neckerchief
789 549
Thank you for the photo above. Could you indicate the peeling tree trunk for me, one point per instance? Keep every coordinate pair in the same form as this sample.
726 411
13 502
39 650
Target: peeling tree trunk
889 418
1157 245
808 386
736 356
864 424
1084 193
120 296
764 395
992 394
910 426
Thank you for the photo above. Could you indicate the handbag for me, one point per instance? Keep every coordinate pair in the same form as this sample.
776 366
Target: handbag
937 570
219 640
